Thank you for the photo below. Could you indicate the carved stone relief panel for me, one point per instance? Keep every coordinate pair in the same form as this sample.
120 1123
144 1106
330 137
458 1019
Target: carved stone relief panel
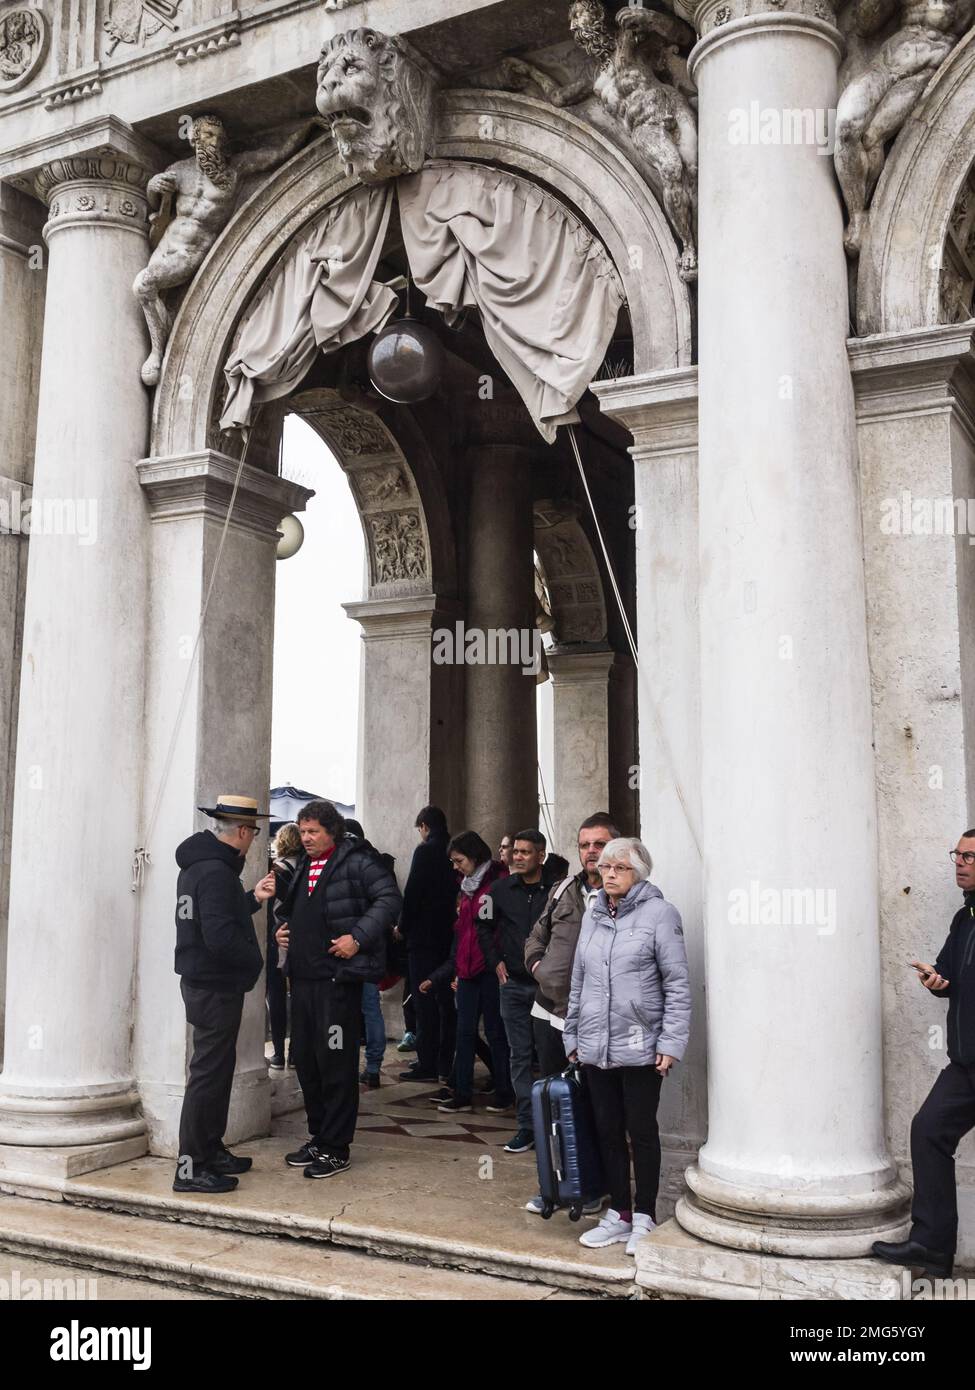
572 577
958 260
23 46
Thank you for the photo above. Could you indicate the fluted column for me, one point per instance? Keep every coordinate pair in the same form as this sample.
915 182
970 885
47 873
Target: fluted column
67 1078
796 1161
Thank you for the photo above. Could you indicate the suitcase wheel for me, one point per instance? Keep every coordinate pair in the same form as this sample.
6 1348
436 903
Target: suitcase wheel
547 1209
575 1213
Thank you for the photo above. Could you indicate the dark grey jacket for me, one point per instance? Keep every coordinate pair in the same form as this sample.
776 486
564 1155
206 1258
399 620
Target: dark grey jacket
630 996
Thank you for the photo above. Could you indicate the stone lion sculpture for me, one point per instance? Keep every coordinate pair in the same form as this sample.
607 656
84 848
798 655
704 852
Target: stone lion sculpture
379 102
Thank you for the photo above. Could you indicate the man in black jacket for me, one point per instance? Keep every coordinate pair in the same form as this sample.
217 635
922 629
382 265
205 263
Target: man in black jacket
426 925
517 902
949 1111
219 960
335 918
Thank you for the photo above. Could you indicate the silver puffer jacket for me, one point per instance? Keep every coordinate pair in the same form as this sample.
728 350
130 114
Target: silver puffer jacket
630 996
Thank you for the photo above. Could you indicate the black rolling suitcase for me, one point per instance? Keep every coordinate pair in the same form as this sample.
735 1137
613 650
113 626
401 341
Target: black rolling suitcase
569 1169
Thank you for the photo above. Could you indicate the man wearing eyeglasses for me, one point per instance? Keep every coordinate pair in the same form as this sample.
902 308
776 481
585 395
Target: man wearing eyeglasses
949 1111
218 959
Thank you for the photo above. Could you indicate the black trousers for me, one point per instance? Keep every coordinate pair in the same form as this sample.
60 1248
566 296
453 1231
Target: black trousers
215 1019
326 1025
548 1045
436 1016
624 1102
940 1124
277 994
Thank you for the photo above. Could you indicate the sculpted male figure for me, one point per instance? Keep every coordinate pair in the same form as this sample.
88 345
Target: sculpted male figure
656 114
879 99
205 187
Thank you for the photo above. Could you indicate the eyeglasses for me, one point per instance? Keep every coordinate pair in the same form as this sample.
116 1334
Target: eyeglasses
966 856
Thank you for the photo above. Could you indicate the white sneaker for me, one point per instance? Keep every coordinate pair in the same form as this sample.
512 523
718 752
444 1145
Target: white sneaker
534 1204
642 1226
610 1231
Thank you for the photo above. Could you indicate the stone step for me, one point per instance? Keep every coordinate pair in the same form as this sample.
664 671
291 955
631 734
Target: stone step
424 1205
36 1236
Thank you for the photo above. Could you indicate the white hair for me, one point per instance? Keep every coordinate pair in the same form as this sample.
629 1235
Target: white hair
222 825
631 851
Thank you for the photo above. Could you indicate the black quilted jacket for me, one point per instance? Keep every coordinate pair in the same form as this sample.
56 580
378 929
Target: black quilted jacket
355 895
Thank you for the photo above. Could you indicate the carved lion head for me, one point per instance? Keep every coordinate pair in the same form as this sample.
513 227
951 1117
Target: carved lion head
379 102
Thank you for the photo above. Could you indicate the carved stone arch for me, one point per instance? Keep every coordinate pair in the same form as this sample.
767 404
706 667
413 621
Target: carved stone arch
571 573
397 513
518 132
899 281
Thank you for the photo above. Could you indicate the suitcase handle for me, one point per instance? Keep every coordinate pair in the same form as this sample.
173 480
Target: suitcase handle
555 1152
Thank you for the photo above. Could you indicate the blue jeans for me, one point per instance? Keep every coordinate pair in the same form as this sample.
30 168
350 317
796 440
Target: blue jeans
475 998
517 998
375 1027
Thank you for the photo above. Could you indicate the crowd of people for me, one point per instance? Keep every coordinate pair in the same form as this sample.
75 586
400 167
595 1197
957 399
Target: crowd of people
586 968
506 957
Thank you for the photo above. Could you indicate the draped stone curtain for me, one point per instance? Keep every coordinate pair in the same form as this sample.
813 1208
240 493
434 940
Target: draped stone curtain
547 292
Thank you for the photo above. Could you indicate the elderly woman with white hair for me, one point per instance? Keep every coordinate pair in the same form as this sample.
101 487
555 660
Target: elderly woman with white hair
628 1022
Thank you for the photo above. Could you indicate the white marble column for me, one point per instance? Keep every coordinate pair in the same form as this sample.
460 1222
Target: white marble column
22 277
660 411
222 743
501 740
409 710
796 1160
67 1078
580 681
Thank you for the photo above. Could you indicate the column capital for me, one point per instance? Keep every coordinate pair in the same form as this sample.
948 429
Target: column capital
658 408
722 21
94 190
413 615
199 486
581 665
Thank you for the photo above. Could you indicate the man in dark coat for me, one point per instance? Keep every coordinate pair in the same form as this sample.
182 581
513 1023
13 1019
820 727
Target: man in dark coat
341 905
427 927
219 960
949 1111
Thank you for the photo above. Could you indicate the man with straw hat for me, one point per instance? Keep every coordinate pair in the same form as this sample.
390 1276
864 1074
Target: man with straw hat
219 960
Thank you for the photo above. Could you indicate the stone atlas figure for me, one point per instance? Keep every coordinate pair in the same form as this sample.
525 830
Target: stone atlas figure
884 88
205 187
640 78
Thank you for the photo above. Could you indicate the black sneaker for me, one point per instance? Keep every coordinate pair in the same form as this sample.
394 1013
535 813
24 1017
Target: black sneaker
226 1162
205 1181
276 1063
523 1141
327 1166
303 1156
418 1076
370 1079
438 1098
454 1106
500 1104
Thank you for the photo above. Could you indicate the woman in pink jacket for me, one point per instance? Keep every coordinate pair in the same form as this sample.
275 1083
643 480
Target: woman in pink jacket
477 987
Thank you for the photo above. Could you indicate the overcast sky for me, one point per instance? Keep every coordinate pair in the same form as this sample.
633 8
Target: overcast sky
316 647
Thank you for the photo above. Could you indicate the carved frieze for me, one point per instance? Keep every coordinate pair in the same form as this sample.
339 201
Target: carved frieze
571 574
353 431
957 283
398 547
135 22
23 45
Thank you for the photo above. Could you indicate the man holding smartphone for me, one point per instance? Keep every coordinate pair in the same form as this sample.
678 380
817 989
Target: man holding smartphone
949 1111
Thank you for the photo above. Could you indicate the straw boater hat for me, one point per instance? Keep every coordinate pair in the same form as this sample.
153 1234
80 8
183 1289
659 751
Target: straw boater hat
241 808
